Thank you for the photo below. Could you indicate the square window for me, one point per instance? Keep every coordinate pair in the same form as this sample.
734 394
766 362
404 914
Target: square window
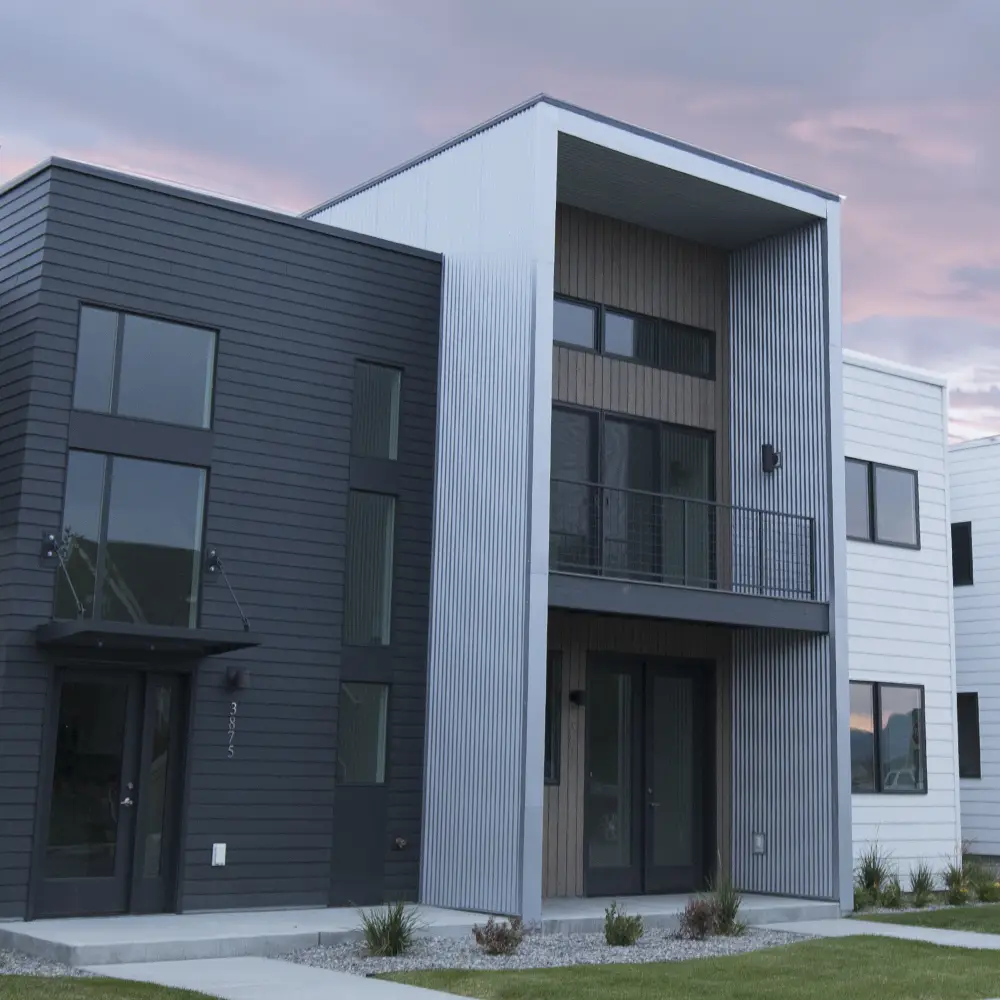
575 324
368 599
889 756
375 411
688 350
635 337
362 726
131 541
149 369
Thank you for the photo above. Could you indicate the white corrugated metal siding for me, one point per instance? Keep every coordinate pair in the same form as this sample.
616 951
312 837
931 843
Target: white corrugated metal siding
488 204
784 730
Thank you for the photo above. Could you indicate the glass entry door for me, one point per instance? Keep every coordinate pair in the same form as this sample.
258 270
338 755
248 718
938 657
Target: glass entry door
107 838
650 747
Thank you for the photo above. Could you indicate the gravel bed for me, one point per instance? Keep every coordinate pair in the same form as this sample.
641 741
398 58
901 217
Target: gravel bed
537 951
13 963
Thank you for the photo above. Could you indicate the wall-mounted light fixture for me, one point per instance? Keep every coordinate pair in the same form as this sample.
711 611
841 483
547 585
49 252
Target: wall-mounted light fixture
237 678
769 458
578 698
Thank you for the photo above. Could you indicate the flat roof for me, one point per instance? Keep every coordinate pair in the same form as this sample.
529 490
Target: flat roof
214 200
894 368
594 116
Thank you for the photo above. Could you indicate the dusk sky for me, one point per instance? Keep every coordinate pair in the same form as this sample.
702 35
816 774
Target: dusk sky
893 103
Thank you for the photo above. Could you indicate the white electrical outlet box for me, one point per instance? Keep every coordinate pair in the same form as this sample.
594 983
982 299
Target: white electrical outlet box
218 855
759 844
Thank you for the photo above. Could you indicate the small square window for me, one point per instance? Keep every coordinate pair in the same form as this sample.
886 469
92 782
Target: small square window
575 324
375 411
362 726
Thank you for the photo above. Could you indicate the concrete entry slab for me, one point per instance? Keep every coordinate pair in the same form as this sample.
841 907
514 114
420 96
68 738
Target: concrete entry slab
94 941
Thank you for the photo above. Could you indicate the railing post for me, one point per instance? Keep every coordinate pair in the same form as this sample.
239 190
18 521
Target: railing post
684 542
760 552
812 558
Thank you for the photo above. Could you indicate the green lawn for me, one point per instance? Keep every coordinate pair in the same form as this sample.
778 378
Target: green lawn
985 919
72 988
863 968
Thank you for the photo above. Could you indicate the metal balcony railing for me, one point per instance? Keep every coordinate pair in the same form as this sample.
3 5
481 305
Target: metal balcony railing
655 538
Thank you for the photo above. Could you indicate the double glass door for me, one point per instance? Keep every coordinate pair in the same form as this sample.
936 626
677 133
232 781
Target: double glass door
650 748
108 842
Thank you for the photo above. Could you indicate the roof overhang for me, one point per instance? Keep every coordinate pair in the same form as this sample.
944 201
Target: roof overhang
131 637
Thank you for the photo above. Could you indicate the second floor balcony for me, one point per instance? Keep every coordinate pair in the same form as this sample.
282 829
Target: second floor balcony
630 551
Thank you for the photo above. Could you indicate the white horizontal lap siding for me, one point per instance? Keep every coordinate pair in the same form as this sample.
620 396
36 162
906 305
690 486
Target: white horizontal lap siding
975 497
488 205
900 627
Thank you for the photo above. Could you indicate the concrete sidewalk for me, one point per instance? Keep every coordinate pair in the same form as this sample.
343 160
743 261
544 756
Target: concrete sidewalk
263 979
855 928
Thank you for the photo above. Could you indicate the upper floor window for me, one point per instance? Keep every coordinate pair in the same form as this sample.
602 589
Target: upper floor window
134 366
131 541
375 411
888 748
674 347
961 554
882 504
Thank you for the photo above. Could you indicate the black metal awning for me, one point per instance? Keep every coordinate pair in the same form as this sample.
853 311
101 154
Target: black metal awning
132 637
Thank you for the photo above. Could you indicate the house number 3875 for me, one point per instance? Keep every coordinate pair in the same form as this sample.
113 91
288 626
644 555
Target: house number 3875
230 749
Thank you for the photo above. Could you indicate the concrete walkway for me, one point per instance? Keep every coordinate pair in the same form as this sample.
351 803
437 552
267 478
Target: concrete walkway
263 979
907 932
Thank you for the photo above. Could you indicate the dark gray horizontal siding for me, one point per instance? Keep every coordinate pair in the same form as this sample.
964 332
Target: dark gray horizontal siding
23 216
294 306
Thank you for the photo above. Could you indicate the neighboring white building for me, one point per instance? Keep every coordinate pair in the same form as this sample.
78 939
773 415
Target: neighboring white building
901 627
975 515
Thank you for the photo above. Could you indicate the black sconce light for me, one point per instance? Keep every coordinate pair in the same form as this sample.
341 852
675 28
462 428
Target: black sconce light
769 458
237 678
578 698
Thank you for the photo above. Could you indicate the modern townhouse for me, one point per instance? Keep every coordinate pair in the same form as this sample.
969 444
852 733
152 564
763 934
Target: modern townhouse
904 762
975 534
217 433
637 663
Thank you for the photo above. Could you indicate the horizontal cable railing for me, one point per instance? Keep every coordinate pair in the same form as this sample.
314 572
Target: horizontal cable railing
656 538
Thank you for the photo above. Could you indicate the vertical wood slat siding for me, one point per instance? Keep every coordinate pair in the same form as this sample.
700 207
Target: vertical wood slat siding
625 266
783 726
573 636
478 204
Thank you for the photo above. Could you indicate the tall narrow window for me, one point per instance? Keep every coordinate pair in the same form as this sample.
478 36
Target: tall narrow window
361 733
375 416
368 600
859 514
150 369
961 554
553 717
969 764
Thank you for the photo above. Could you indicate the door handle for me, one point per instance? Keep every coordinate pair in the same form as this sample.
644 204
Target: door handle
126 801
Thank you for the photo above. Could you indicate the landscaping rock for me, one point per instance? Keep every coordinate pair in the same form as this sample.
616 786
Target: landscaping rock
13 963
537 951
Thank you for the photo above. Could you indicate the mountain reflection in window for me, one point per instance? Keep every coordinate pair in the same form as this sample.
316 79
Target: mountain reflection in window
131 541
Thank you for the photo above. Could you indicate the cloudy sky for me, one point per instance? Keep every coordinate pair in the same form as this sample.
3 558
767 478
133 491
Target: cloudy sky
893 103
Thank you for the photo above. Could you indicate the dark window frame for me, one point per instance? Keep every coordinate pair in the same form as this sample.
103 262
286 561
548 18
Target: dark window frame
102 540
553 717
122 313
873 537
962 567
387 745
876 687
372 363
969 769
393 556
664 327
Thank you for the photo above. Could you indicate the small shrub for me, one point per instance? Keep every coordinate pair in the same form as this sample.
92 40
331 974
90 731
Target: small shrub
389 931
620 929
922 884
985 883
698 920
726 902
862 899
499 937
956 883
873 868
890 896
